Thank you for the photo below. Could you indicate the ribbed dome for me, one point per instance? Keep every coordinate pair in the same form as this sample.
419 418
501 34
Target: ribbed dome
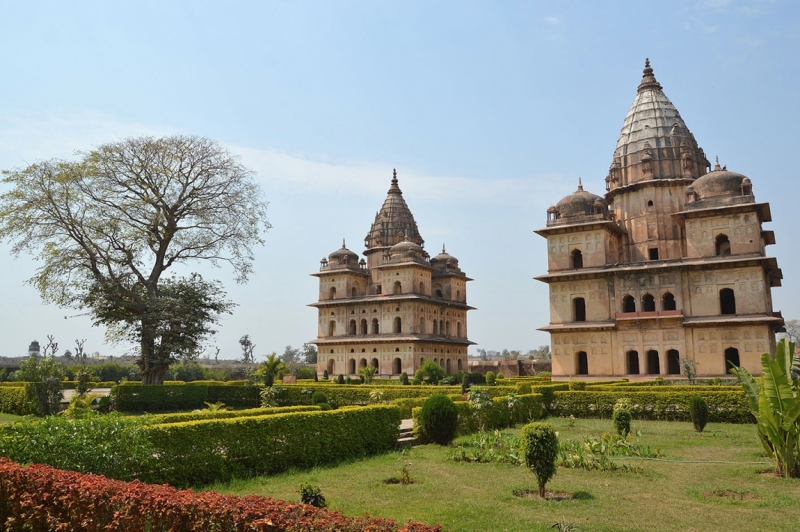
394 222
342 253
406 246
580 202
720 184
443 257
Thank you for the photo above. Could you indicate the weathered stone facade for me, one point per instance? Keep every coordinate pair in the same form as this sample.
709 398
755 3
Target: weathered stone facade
395 309
671 263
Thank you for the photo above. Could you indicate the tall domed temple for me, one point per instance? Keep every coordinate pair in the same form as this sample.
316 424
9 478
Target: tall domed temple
669 264
395 309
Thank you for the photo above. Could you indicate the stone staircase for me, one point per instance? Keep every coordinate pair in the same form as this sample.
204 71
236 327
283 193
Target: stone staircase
407 438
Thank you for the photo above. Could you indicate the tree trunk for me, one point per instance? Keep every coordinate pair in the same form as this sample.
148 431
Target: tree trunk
541 490
150 364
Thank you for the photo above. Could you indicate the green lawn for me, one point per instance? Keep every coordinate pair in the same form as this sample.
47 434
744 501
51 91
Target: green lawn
737 494
9 418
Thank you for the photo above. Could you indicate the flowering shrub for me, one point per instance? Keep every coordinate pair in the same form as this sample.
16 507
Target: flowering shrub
39 497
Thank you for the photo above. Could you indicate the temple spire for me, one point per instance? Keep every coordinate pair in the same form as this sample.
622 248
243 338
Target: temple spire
580 185
394 189
648 79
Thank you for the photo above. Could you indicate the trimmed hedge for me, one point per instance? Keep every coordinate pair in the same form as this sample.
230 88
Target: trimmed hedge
227 414
723 406
135 397
360 395
14 400
663 389
199 452
43 498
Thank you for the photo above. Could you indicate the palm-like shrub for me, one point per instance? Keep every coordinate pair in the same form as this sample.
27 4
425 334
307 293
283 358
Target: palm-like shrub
439 419
776 407
269 369
367 373
540 447
698 411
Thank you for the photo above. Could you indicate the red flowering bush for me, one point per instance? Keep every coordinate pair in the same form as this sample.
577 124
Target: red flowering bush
41 498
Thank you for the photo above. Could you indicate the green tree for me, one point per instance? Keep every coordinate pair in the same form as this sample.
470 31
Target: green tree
269 369
310 353
431 371
792 330
539 444
776 406
248 348
106 228
46 374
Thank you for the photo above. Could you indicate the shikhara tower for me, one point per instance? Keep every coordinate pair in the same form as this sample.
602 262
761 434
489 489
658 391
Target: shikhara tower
395 309
671 263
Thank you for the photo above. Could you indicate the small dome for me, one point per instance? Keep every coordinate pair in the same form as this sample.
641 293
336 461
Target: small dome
342 253
719 183
443 257
406 246
580 202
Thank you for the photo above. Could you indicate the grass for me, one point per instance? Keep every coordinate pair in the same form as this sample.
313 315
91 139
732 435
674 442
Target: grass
686 491
9 418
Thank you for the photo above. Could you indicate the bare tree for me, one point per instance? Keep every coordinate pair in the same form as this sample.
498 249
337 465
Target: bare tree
108 226
52 346
247 349
79 354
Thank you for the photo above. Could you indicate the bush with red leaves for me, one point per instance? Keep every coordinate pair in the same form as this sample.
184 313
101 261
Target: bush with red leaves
41 498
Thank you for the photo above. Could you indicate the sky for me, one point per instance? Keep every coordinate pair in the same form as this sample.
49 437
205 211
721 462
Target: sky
489 111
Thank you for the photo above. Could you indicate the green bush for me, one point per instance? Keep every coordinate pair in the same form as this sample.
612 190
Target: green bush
199 452
318 398
430 372
622 417
439 419
723 406
490 378
311 494
499 376
577 385
180 417
404 379
135 397
340 379
698 411
465 383
325 374
539 444
14 400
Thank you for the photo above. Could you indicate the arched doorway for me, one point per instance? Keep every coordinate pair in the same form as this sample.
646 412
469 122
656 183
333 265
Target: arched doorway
633 362
353 327
332 293
351 366
727 301
722 245
362 363
398 325
375 327
374 363
398 288
628 304
447 366
363 326
576 259
579 309
653 364
648 303
331 328
459 364
673 362
731 358
582 363
668 301
331 366
397 367
422 325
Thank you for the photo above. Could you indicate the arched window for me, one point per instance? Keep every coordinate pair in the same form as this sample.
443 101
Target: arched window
633 362
459 364
351 366
397 367
731 358
421 287
331 328
375 327
628 304
435 328
668 301
648 303
353 327
447 329
332 293
722 245
458 295
727 301
379 290
398 288
441 327
673 362
422 325
364 326
447 366
581 363
437 290
353 292
576 259
331 366
578 309
458 330
398 325
653 365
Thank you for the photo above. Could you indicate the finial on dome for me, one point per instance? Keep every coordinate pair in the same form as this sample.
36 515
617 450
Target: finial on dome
717 167
343 244
580 185
394 189
443 251
648 79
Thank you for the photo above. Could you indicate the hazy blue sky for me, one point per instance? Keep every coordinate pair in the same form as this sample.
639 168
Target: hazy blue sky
490 111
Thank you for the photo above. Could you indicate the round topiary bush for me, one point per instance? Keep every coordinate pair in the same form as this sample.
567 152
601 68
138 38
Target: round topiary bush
539 444
318 398
698 411
439 419
490 378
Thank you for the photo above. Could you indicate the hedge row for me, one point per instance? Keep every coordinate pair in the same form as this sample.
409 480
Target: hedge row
663 389
723 406
14 400
43 498
199 452
205 383
497 416
228 414
135 397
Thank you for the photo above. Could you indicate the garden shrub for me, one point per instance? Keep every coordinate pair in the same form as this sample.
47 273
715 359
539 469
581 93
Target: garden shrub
318 398
180 417
135 397
465 383
499 376
577 385
439 419
311 494
325 374
540 448
14 400
490 378
340 379
404 379
39 497
622 417
698 411
723 406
